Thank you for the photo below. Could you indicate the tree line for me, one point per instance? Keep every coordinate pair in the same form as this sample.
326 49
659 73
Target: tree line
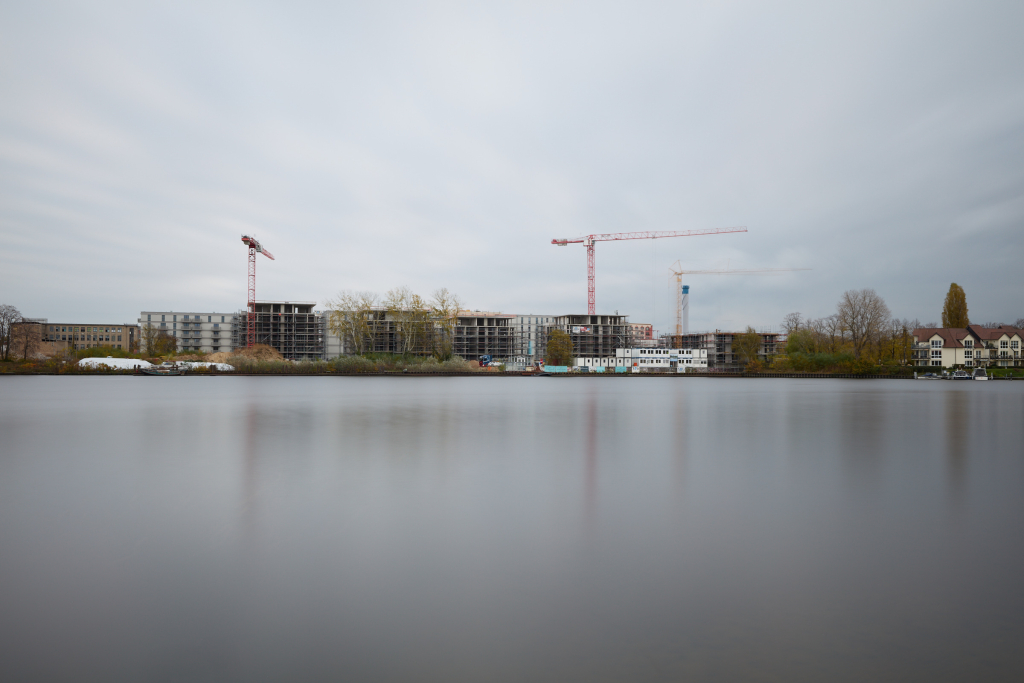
401 322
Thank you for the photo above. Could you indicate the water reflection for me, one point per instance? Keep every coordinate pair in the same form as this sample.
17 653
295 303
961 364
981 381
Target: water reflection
490 529
956 438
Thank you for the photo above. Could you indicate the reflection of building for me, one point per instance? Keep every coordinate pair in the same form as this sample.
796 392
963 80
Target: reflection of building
59 336
970 346
193 331
292 327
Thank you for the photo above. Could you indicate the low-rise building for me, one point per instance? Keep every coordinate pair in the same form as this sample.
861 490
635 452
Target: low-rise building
56 337
192 331
971 346
648 359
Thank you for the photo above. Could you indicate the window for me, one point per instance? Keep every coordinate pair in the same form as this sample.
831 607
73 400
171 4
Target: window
163 317
968 363
222 318
118 339
968 343
149 317
175 317
936 353
968 353
937 362
1014 344
1003 344
936 343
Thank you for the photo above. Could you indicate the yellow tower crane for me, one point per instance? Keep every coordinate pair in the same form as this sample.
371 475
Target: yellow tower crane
682 297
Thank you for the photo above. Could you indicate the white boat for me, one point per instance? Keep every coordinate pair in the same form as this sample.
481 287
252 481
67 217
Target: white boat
961 374
979 373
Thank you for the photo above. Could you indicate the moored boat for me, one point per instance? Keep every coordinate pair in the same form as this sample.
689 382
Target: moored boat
961 374
979 373
164 369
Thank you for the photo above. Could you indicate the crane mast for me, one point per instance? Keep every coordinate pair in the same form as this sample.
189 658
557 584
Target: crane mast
590 240
254 248
682 291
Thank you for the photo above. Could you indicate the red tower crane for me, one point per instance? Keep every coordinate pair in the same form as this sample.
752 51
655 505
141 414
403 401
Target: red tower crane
254 247
589 240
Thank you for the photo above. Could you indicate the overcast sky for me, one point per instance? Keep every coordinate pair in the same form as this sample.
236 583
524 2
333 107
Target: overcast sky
371 145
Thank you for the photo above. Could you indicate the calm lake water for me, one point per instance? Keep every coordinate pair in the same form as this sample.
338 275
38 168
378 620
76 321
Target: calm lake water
523 529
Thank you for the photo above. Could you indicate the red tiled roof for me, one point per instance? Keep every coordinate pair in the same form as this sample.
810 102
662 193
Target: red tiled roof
989 333
952 337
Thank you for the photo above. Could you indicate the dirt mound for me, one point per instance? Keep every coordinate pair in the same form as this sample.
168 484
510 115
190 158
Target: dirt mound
257 352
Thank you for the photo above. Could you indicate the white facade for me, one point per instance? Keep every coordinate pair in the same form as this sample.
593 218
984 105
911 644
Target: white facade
194 331
651 360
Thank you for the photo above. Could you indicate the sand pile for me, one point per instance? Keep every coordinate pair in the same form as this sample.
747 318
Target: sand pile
258 352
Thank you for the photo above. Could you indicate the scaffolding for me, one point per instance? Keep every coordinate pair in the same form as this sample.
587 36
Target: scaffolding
293 328
485 335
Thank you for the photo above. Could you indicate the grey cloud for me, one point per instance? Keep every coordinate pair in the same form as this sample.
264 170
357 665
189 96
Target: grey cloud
430 145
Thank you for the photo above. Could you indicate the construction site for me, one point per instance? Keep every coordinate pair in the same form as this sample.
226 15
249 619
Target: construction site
298 331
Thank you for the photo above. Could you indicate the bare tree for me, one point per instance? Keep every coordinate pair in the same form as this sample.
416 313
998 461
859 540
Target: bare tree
792 322
863 315
828 333
9 317
25 338
352 318
445 307
1019 324
149 339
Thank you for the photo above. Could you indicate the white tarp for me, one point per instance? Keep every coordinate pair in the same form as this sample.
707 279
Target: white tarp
193 364
115 363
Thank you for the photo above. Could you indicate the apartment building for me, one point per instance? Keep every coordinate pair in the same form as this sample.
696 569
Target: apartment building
59 336
971 346
193 331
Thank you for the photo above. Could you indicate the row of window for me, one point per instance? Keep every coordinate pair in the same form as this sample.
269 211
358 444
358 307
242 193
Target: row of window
197 318
969 343
56 328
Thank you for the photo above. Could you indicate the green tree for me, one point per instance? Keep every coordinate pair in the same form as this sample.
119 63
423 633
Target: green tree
801 341
954 310
560 349
747 345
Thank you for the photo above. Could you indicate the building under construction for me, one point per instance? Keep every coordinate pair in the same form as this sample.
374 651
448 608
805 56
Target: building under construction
595 336
718 345
292 327
485 334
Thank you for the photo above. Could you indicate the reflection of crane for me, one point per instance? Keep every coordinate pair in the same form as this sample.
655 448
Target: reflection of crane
682 297
254 247
589 240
